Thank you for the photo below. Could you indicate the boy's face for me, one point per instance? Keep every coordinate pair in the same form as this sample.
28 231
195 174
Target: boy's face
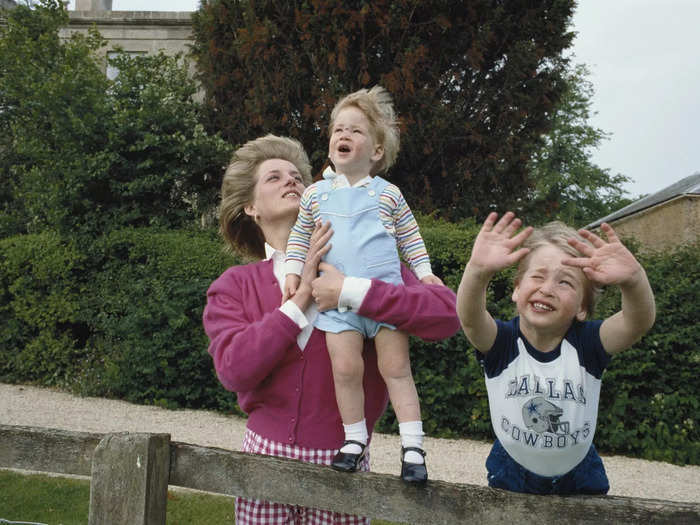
352 147
550 295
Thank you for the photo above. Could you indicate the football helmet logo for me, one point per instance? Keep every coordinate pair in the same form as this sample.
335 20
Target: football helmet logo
542 416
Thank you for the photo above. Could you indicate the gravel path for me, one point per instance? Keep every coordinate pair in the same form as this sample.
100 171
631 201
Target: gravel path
459 461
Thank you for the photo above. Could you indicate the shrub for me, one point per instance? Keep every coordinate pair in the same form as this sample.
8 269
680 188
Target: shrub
121 317
147 344
81 153
650 395
41 282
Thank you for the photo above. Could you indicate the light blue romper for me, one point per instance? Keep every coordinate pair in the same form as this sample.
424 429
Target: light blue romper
361 247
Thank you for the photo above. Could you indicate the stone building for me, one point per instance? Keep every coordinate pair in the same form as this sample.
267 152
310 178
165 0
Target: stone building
133 32
663 220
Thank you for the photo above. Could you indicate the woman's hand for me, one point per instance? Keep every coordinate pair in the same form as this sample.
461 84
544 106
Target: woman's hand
327 287
318 247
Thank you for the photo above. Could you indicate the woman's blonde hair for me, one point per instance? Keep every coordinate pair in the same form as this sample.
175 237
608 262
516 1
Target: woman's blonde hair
378 107
556 233
238 189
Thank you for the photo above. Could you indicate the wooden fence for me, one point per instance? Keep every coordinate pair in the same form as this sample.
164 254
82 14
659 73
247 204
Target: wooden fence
130 474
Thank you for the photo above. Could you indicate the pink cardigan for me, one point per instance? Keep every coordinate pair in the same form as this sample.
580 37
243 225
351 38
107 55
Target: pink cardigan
288 393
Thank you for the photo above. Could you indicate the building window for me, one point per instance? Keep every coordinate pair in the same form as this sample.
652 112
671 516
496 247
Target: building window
113 71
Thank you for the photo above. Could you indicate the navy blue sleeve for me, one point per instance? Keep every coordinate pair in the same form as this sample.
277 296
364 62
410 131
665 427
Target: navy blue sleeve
504 349
585 338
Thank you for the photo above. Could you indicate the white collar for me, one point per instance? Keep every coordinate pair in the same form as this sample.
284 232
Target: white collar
341 181
274 254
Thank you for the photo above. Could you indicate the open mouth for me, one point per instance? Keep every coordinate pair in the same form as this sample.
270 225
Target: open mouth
344 148
541 307
291 194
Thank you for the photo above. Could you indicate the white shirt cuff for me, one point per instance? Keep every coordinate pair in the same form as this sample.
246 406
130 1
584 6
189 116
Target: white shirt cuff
291 310
295 267
353 293
423 270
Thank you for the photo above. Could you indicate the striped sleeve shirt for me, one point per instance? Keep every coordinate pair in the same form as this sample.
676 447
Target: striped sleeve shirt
394 213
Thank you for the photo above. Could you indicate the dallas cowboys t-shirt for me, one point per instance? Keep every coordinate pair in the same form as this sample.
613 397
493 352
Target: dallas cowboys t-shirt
544 405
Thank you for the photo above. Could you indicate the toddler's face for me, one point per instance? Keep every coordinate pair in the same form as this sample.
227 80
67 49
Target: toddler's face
352 147
549 295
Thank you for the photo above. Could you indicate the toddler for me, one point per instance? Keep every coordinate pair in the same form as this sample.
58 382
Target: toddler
370 218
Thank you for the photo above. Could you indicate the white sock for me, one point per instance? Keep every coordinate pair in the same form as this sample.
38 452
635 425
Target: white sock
356 432
412 436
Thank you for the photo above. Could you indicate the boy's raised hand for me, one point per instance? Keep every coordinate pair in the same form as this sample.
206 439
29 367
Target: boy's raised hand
495 248
606 262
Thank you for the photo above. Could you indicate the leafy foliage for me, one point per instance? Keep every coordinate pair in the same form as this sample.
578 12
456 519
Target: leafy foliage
40 330
84 154
475 84
147 296
650 398
568 185
118 318
122 318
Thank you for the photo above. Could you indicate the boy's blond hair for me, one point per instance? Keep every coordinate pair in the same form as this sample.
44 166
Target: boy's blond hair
556 233
378 107
238 188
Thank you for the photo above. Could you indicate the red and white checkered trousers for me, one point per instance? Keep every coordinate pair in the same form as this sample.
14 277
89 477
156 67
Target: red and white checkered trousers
259 512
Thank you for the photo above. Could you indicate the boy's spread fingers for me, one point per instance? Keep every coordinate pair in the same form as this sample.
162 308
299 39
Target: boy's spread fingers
490 220
582 247
521 237
503 222
518 254
578 262
513 227
609 232
593 238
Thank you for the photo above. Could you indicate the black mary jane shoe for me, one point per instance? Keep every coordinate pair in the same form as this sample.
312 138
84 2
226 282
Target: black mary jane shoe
347 462
416 473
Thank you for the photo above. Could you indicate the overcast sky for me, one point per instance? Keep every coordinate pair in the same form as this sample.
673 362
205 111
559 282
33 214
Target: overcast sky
645 69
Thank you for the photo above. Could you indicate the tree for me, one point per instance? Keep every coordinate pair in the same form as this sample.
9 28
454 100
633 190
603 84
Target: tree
84 154
568 185
474 83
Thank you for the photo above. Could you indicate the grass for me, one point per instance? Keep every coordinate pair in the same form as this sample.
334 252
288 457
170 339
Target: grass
65 501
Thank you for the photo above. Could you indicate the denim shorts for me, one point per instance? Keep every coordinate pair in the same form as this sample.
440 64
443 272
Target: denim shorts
588 477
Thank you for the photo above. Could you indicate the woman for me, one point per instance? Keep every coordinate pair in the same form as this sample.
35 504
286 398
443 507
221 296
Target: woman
270 354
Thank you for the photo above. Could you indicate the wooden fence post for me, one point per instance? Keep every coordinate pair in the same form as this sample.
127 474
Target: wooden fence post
129 483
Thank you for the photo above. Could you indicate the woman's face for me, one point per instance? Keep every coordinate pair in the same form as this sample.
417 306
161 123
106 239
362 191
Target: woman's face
277 192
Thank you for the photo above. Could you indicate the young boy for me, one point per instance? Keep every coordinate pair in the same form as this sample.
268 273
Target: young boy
370 219
544 367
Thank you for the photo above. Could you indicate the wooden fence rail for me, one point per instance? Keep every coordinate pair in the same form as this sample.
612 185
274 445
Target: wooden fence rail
130 474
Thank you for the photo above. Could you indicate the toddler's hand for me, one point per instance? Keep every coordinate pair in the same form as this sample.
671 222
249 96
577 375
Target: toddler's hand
291 284
432 279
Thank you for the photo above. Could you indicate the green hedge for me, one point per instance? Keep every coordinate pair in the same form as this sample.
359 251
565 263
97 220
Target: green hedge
121 317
